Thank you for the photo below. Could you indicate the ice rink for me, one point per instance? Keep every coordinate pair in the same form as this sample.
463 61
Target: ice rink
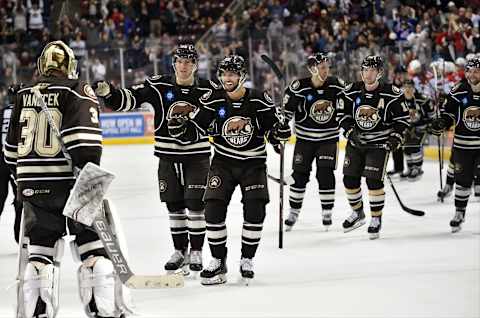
416 269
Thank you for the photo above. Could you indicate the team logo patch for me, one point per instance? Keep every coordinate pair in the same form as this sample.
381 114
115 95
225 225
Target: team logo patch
322 111
286 98
298 158
471 118
162 185
214 182
88 90
268 98
348 86
206 96
28 192
181 109
295 85
367 117
237 131
396 90
454 88
346 162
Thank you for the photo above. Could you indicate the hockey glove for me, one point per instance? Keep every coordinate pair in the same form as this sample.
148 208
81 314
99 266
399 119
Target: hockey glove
393 143
177 127
437 126
353 136
102 89
281 131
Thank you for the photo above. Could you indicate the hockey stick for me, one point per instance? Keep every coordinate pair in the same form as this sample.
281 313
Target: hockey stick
439 141
85 205
403 206
281 181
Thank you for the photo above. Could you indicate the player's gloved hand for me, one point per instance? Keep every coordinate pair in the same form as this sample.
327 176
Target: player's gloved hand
393 143
281 131
437 126
353 136
102 89
12 91
177 127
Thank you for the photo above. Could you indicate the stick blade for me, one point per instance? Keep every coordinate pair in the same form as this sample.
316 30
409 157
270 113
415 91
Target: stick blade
155 281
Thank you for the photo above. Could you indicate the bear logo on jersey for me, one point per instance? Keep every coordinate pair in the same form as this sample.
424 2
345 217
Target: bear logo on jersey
471 118
322 111
237 131
181 109
367 117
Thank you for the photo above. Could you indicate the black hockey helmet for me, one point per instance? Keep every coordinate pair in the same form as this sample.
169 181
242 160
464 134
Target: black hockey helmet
235 64
186 51
373 61
316 59
473 62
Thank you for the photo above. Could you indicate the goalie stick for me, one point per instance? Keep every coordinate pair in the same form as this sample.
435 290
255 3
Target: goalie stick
86 205
281 181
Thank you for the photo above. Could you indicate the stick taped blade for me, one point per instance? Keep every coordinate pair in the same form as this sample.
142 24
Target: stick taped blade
83 204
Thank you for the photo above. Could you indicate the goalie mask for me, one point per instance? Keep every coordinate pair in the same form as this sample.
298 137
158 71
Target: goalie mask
188 52
59 57
234 64
313 63
372 62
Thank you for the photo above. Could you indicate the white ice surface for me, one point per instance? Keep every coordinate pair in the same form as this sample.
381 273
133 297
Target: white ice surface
416 269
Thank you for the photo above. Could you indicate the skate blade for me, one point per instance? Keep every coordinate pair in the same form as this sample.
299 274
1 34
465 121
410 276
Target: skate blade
245 281
288 228
355 226
194 274
456 229
374 236
217 280
181 271
326 227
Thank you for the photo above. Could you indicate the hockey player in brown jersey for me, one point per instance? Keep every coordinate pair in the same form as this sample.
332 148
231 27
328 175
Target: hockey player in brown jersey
183 165
462 109
374 117
238 119
45 176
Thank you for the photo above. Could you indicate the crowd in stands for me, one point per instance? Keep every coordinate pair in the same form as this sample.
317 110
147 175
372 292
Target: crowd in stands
289 30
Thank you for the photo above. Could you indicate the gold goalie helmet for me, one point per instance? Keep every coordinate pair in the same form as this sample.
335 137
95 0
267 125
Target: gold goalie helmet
57 56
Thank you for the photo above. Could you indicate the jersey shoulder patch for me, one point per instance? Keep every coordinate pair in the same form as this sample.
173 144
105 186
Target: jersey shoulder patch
89 92
396 90
295 85
206 96
348 87
214 85
267 97
455 87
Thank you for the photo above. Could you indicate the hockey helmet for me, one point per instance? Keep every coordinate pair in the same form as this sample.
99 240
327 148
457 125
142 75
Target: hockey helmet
235 64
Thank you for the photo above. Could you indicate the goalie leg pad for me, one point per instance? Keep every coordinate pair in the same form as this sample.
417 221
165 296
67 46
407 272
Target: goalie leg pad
41 280
96 280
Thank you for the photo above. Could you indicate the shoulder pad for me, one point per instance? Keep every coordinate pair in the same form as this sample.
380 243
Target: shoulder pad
214 85
341 82
155 78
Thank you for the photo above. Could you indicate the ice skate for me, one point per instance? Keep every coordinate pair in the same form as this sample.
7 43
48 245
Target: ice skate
456 222
246 270
394 173
374 227
326 218
215 273
445 192
196 264
291 220
354 221
415 174
178 263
